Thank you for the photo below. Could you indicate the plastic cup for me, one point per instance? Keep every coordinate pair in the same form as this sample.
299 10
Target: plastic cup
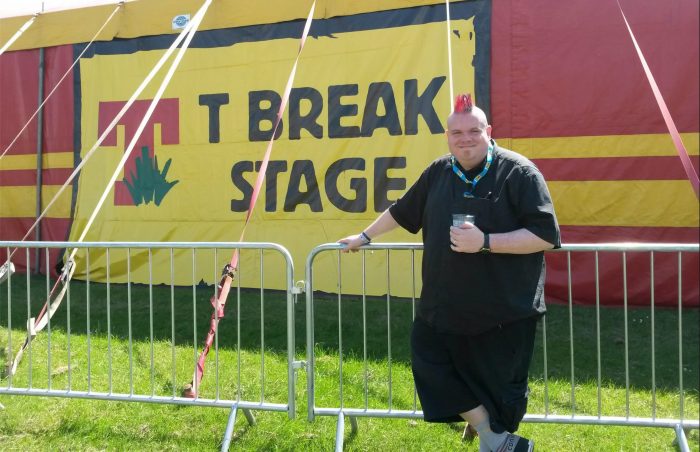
458 219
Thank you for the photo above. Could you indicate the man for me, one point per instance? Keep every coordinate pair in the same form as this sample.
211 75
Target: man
482 295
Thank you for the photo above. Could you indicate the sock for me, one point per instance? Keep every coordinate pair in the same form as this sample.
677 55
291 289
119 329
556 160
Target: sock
487 436
483 447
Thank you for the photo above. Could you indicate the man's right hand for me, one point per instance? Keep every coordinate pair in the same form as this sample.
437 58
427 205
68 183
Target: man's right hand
353 243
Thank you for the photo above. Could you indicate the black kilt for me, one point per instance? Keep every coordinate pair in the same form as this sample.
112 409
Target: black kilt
456 373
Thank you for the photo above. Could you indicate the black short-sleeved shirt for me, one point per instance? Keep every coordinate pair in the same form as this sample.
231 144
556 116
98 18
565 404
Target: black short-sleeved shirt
465 293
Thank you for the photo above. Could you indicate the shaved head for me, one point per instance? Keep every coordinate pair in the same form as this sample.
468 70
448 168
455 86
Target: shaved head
474 111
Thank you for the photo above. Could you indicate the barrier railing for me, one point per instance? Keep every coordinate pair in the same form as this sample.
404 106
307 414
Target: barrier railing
128 308
379 382
148 335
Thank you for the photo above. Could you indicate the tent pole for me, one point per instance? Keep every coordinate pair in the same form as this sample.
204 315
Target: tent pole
39 160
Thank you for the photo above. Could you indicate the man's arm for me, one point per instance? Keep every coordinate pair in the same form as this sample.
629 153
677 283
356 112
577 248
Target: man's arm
384 223
520 241
469 239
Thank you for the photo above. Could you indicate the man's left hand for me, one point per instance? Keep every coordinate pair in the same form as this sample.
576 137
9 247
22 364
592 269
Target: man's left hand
466 238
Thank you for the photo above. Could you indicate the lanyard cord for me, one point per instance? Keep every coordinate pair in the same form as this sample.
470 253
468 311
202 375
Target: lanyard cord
471 184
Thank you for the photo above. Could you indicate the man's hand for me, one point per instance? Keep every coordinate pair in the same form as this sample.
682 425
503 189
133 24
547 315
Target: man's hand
466 238
353 242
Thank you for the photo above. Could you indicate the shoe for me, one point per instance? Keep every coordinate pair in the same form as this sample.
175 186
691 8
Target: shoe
515 443
469 433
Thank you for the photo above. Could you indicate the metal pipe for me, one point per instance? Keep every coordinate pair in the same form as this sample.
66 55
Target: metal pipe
571 335
39 157
228 433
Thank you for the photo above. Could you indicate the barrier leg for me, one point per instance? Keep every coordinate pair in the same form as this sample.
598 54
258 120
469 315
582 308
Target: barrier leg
353 425
340 432
681 439
228 434
249 416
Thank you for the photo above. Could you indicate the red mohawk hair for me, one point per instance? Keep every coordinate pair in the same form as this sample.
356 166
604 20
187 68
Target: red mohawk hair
463 103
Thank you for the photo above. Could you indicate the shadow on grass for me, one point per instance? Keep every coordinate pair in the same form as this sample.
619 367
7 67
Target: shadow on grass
165 315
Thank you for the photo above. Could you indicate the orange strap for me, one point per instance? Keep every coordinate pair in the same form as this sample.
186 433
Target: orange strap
680 148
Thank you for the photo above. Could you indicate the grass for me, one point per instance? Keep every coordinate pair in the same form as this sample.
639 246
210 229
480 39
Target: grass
41 423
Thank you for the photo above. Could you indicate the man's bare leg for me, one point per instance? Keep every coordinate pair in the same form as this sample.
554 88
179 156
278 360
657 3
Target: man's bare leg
488 439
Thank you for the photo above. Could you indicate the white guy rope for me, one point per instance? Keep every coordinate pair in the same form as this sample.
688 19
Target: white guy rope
61 80
111 126
16 36
449 52
196 20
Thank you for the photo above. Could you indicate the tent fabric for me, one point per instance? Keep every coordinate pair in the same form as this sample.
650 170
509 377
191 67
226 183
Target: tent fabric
154 17
565 88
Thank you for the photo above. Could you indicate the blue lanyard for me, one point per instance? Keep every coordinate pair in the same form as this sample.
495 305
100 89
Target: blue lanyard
471 184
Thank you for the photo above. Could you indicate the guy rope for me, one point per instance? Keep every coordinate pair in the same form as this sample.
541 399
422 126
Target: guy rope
54 299
218 301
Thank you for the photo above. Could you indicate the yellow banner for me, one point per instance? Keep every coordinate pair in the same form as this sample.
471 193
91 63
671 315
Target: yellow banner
365 117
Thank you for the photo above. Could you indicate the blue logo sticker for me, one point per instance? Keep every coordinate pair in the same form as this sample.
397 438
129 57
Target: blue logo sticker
180 21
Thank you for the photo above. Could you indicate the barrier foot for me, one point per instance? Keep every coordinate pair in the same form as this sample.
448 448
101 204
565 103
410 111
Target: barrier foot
249 416
353 425
6 270
228 434
340 432
681 439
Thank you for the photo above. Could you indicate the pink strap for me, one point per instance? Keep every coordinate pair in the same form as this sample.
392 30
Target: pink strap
682 153
219 302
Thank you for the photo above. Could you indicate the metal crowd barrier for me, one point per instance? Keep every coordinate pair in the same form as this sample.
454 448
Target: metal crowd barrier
355 392
133 328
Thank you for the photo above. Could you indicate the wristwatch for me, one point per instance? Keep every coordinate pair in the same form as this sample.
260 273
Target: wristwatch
365 238
486 247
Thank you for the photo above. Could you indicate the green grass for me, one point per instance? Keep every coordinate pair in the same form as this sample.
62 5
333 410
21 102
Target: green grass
39 423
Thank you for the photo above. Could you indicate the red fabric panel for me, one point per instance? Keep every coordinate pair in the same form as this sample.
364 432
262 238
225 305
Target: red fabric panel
19 84
605 234
570 69
18 88
613 168
610 268
59 109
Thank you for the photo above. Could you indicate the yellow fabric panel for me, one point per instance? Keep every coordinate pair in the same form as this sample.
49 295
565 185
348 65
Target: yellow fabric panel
643 145
57 28
154 17
198 208
346 8
20 202
28 161
625 203
266 67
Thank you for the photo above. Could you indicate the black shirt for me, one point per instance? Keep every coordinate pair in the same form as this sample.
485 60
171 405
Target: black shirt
465 293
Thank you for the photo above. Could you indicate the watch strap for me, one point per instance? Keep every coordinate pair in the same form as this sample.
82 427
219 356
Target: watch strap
486 247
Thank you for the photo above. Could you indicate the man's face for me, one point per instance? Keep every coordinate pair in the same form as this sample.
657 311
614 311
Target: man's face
468 138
